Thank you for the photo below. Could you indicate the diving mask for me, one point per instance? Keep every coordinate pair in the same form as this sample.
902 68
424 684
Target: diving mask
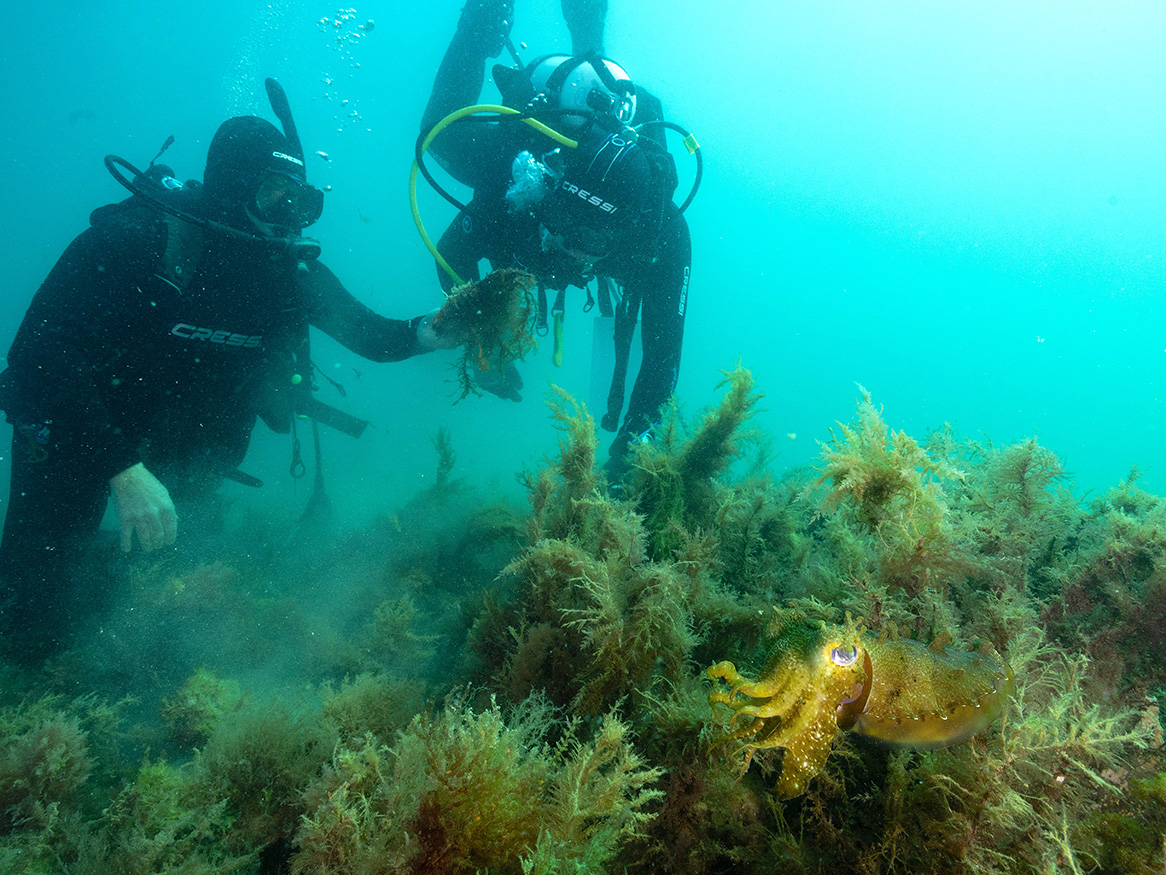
287 202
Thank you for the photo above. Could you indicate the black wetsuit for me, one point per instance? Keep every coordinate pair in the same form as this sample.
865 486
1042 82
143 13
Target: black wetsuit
654 276
117 363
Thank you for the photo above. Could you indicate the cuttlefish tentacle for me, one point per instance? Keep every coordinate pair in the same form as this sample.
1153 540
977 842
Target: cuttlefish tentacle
778 688
810 670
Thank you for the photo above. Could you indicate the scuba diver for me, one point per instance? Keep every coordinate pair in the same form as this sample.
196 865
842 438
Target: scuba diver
572 196
164 331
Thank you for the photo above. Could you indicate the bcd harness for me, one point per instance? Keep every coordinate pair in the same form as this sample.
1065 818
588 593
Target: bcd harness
180 259
614 301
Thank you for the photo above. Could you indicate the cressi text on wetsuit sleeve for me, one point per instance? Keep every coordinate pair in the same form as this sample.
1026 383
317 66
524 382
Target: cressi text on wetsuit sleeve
662 285
78 325
333 309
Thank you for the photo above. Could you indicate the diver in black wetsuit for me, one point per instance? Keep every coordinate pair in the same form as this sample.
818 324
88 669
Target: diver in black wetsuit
602 210
147 355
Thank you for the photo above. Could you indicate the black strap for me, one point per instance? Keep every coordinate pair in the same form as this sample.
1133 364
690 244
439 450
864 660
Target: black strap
540 323
626 315
603 290
297 469
240 477
558 77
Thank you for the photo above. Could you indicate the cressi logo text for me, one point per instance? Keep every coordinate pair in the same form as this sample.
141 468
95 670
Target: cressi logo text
571 188
286 157
210 335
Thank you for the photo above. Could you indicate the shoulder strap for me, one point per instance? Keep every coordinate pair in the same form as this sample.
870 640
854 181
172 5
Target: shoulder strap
184 245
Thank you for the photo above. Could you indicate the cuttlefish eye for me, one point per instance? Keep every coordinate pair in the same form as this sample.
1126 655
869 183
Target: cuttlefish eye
844 656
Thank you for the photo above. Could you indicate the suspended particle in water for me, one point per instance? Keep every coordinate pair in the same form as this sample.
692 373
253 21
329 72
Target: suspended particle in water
325 156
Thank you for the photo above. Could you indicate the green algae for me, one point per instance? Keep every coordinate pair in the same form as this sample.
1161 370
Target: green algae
194 711
471 790
523 692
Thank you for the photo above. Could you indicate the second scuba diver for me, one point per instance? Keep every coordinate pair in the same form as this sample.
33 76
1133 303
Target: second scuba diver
601 210
144 360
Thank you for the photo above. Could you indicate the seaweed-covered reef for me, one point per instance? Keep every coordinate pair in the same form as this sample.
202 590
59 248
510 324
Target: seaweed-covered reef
526 692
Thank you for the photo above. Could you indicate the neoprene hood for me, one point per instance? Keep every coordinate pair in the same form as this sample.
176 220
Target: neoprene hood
244 150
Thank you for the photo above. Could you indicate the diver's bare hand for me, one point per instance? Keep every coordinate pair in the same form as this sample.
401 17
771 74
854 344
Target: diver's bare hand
143 505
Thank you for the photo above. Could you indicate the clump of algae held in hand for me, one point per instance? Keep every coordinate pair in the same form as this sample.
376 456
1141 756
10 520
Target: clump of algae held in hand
493 317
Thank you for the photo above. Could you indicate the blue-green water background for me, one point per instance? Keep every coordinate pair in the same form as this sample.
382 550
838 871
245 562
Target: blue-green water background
960 207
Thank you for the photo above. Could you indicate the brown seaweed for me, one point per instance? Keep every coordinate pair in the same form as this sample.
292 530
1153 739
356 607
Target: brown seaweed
493 319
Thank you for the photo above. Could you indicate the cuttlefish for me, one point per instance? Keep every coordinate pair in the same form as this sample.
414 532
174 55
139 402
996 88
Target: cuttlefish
820 678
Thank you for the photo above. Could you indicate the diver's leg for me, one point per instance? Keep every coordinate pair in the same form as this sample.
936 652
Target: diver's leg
481 33
585 19
54 509
665 299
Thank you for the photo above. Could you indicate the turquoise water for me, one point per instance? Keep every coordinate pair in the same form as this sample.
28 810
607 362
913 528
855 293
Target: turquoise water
959 208
956 208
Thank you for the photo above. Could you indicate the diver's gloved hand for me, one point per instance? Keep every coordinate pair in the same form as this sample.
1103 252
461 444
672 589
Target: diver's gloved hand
429 338
485 25
143 505
505 382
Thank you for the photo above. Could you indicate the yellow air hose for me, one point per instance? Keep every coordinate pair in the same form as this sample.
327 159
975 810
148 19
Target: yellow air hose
437 129
557 355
